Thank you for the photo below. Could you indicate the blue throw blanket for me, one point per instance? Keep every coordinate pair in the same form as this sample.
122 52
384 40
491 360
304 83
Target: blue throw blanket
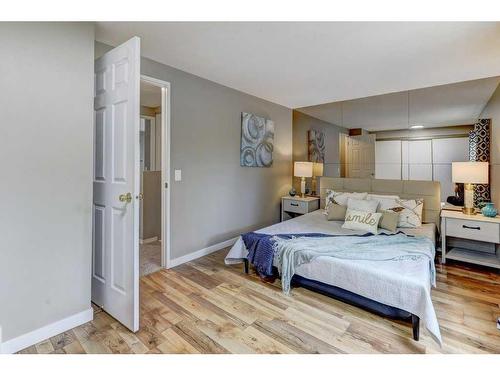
261 251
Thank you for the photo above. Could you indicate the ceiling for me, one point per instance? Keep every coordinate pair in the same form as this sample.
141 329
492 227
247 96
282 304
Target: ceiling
447 105
150 95
299 64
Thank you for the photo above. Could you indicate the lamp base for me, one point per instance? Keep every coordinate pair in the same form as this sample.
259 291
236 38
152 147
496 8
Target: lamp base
303 187
313 186
469 210
469 200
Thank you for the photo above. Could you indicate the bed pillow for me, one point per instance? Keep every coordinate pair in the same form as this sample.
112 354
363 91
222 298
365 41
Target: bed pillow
336 212
389 220
410 212
362 205
339 197
385 201
360 220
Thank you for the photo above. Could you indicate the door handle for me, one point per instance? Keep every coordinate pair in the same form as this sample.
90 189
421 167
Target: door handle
125 197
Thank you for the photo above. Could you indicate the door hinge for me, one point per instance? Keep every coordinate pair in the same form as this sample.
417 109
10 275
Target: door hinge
166 185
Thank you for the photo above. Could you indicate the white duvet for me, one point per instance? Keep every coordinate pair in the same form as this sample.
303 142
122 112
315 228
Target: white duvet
404 285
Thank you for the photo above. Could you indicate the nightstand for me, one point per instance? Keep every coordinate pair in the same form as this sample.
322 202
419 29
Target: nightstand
470 238
295 206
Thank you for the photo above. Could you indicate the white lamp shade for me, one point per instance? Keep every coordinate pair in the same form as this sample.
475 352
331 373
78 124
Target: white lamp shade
303 169
318 169
470 172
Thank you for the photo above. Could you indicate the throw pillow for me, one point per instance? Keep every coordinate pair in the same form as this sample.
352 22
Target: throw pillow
336 212
389 220
367 221
385 201
410 212
339 197
362 205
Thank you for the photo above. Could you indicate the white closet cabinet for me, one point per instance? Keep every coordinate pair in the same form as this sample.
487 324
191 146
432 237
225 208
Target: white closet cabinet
421 160
445 151
388 160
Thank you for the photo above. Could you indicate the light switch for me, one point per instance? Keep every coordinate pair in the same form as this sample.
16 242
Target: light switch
178 174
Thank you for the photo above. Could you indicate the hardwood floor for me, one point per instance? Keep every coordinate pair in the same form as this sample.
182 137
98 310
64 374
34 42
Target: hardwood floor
207 307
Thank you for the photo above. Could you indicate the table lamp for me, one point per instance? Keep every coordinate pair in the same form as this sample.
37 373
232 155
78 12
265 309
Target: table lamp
469 173
317 172
303 169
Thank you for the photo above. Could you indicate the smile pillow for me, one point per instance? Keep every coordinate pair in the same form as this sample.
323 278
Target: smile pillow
361 220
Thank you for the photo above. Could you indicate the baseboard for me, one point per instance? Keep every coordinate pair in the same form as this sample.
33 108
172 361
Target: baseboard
148 240
200 253
22 342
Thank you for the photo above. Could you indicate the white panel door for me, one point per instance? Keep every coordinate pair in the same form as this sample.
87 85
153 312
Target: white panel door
115 263
361 156
388 160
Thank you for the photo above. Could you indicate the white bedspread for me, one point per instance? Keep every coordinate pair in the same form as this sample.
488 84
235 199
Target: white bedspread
404 285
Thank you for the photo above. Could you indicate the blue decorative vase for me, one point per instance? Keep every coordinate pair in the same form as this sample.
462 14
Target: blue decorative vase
489 210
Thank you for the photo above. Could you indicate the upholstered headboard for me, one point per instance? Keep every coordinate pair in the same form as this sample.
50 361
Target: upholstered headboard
430 191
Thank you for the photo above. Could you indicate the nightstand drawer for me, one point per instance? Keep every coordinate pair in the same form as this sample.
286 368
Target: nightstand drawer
473 230
299 207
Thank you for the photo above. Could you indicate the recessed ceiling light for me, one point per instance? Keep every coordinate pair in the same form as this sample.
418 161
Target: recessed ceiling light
416 127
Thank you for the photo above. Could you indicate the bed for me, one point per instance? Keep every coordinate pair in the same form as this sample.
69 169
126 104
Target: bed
386 289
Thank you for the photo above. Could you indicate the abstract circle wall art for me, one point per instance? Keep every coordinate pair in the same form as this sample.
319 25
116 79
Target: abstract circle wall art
257 141
316 146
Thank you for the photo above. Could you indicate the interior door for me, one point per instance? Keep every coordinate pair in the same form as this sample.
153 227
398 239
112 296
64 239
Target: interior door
115 260
361 156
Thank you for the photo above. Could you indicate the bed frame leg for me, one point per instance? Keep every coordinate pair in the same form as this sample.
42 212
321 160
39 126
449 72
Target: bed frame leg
245 261
415 322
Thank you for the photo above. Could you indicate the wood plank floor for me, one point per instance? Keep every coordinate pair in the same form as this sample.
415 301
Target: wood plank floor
207 307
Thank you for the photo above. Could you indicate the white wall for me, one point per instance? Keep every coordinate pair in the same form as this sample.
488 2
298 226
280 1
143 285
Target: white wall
46 101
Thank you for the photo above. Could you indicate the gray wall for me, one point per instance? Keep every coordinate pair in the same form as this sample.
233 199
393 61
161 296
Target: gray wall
151 208
46 163
218 199
492 111
301 124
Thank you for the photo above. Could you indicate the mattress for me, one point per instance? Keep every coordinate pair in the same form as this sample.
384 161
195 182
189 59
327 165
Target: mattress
315 222
404 287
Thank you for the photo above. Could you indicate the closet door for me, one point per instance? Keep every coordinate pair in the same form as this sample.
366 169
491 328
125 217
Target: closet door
388 160
420 160
445 151
405 160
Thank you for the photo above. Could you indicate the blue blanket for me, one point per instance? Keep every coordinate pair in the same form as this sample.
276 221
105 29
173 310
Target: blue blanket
260 248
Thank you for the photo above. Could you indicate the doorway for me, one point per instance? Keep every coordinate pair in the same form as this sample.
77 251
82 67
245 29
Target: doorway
154 158
150 220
